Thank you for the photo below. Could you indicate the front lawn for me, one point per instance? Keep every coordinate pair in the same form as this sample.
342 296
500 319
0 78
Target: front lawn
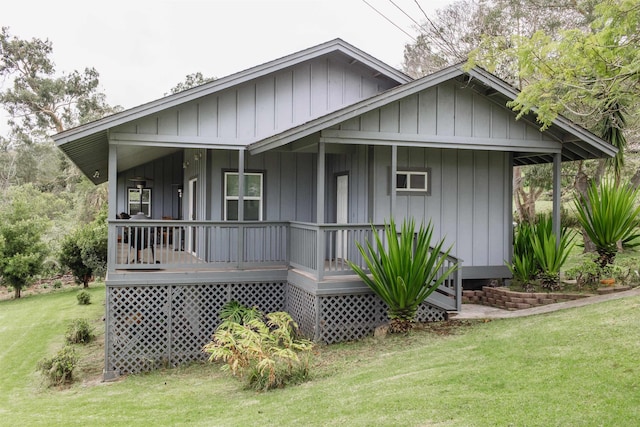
575 367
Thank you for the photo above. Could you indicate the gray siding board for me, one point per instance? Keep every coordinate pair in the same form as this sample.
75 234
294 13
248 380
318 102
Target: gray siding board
446 103
428 112
302 93
465 243
319 87
227 115
481 117
497 220
284 100
449 197
187 120
480 207
265 106
208 117
246 111
409 114
463 116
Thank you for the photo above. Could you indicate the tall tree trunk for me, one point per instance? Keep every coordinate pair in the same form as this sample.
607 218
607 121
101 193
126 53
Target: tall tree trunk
16 292
525 201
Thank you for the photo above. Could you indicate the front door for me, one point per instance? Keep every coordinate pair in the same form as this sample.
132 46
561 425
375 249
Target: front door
342 214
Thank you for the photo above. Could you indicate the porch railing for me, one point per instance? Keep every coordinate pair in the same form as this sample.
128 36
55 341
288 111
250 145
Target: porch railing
164 244
321 250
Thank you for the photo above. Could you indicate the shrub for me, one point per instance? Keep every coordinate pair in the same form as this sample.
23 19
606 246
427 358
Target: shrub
405 269
268 355
84 298
550 254
57 284
233 311
79 332
59 369
609 216
537 255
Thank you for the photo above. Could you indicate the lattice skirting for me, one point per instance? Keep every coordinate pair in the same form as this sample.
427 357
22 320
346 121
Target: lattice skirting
166 325
336 318
152 326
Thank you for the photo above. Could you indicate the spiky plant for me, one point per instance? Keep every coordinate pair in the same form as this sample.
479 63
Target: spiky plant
405 271
609 216
549 253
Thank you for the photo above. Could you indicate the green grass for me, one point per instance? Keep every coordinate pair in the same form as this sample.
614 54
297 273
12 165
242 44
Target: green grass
577 367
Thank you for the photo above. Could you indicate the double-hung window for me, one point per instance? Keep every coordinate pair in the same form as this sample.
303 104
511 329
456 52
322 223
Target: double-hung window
253 196
136 204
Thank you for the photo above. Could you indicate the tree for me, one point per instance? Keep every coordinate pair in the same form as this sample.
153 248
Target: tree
41 102
191 80
84 251
589 74
476 27
22 249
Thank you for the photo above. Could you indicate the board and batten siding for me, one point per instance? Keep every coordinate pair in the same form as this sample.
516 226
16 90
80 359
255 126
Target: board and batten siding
469 202
166 173
289 183
266 105
448 110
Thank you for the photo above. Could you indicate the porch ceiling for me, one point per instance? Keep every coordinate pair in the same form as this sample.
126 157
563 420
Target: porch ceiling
91 154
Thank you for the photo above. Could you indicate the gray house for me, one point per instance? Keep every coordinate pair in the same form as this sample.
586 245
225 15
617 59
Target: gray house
256 186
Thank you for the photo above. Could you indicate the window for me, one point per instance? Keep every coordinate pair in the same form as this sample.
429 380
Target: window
135 205
252 196
413 181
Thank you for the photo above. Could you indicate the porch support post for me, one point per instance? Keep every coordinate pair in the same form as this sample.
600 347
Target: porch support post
240 207
113 181
320 209
394 171
556 195
112 207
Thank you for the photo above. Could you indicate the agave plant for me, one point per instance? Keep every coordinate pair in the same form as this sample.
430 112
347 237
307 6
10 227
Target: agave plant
609 216
406 272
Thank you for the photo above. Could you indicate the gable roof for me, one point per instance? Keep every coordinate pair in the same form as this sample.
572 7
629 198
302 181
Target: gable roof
577 143
87 145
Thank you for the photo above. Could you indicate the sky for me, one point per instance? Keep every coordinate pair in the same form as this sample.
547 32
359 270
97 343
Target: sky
143 48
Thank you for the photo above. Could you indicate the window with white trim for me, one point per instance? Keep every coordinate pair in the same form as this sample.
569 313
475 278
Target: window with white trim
135 205
253 196
413 181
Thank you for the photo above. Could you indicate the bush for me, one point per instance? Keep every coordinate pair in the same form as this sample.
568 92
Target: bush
79 332
57 284
404 269
59 369
84 298
269 355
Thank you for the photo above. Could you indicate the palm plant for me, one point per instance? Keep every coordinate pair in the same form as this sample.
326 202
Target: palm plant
609 216
406 272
